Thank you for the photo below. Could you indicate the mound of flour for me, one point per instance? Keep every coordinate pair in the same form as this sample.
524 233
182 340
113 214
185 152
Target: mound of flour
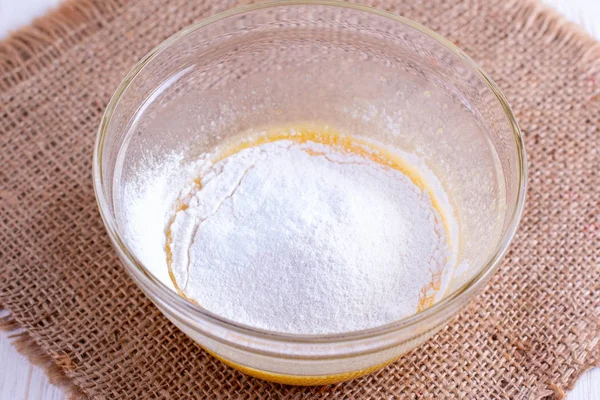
301 238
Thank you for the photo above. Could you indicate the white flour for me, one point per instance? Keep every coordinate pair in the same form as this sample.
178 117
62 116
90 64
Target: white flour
293 237
146 206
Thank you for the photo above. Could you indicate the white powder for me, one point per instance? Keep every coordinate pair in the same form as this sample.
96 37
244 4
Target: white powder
146 205
292 237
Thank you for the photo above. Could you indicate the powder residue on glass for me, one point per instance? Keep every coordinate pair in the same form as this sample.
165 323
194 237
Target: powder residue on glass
298 230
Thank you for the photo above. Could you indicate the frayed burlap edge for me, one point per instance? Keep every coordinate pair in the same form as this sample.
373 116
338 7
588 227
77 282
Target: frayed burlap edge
544 21
28 50
26 345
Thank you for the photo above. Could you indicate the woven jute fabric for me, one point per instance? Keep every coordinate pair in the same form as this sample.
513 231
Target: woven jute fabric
529 335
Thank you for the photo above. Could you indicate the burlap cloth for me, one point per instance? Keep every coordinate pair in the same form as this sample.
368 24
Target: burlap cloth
533 331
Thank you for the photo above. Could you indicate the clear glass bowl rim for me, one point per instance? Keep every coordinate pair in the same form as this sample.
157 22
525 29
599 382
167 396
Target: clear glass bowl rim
195 312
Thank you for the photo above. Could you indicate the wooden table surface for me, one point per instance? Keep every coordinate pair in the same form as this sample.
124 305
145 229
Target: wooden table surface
20 380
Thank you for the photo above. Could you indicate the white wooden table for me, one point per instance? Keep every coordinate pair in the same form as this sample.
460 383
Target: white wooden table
20 380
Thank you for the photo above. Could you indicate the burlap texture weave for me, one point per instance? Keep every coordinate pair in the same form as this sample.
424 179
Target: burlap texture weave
532 332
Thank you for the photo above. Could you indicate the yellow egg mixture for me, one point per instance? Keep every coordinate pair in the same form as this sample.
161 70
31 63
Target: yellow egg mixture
324 135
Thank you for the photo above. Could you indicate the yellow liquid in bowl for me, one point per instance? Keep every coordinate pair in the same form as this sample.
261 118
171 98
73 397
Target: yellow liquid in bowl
326 136
300 380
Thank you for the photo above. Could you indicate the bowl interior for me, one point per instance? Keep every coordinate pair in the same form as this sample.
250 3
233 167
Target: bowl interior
361 72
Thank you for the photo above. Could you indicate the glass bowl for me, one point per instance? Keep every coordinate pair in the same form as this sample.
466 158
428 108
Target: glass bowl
364 71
